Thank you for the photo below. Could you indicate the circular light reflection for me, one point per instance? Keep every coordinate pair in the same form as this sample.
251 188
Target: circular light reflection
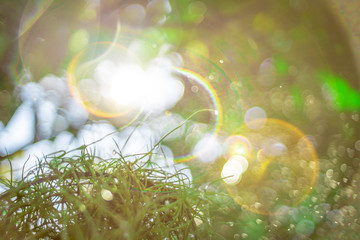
216 109
212 146
281 171
237 145
233 170
255 113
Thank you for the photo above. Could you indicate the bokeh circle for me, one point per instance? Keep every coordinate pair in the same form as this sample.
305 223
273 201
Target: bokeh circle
281 169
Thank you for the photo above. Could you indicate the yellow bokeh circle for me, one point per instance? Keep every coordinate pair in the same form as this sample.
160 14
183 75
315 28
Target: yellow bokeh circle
281 169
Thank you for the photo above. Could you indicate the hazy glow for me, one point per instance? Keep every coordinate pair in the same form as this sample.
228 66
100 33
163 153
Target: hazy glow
117 84
208 149
236 66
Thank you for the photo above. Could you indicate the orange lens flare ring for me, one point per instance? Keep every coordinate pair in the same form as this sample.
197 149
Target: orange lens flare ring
81 69
281 169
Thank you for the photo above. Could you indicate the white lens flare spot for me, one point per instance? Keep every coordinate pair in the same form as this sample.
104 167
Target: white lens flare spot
153 89
127 86
242 160
111 81
233 170
107 195
208 149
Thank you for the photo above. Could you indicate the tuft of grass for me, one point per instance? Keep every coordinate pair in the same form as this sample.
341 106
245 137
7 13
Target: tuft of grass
83 197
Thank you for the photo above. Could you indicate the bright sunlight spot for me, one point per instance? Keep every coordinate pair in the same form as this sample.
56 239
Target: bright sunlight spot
233 170
127 86
153 89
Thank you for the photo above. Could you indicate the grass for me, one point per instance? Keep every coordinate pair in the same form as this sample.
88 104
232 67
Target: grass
84 197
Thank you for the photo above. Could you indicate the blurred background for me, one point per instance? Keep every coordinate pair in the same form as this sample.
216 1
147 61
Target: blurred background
265 95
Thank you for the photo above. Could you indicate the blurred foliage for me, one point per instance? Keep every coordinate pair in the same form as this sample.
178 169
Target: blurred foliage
73 197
